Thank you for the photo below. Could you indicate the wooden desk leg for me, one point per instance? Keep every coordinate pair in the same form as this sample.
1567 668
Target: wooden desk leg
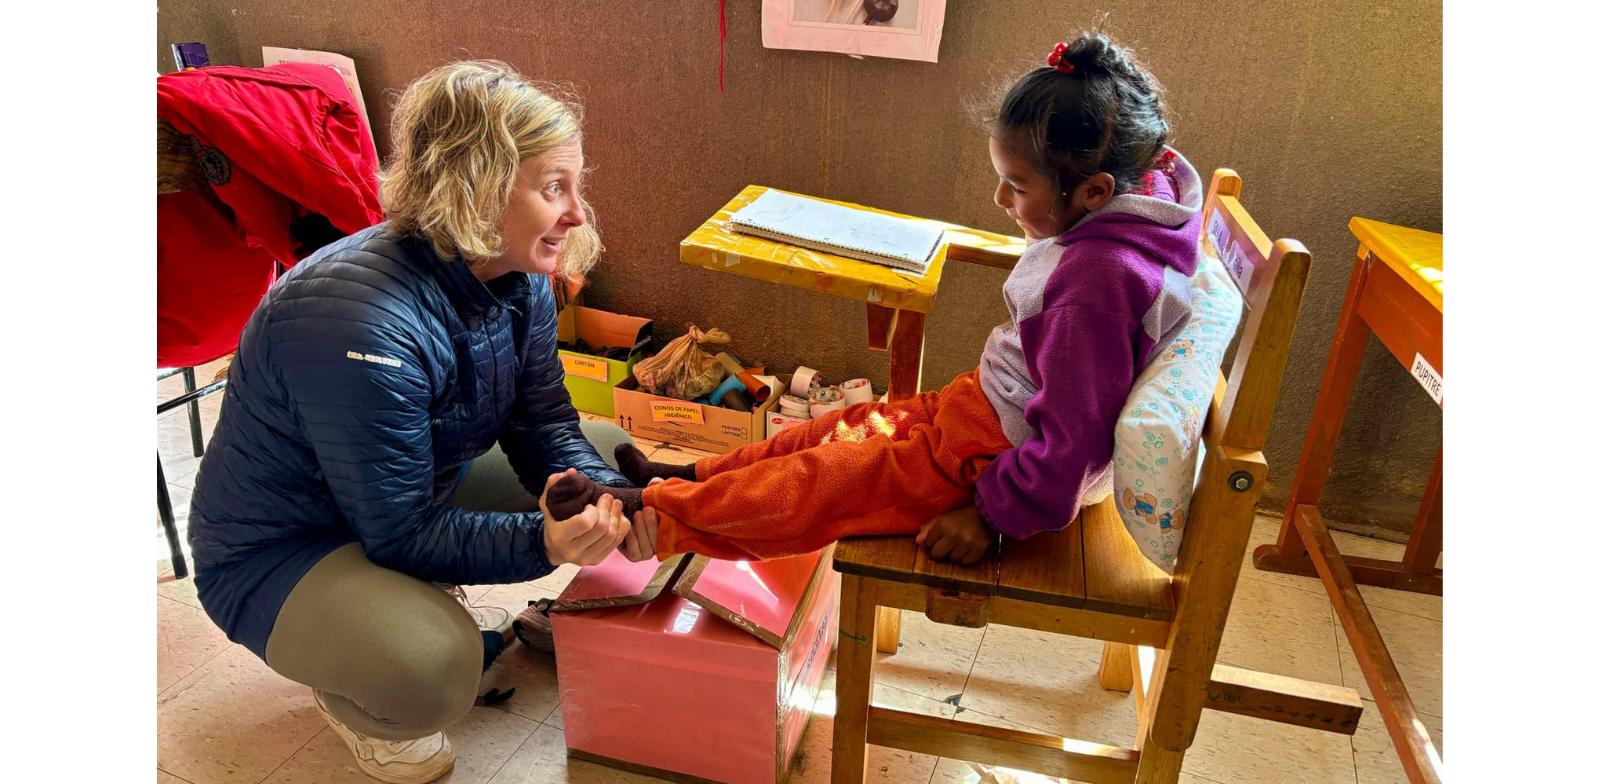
1288 554
905 355
1418 756
858 615
880 327
905 381
1427 533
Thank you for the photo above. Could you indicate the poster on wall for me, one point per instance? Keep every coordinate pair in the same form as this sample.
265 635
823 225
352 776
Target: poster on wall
904 29
275 55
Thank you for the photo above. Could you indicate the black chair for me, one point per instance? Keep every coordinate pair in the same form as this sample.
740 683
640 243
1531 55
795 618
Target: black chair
190 398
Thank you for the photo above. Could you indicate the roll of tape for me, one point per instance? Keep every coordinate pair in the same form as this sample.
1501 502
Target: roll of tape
794 406
805 379
857 390
826 399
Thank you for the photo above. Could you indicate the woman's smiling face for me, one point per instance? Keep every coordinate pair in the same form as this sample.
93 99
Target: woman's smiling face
544 206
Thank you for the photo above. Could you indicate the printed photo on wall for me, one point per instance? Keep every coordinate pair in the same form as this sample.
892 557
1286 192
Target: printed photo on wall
904 29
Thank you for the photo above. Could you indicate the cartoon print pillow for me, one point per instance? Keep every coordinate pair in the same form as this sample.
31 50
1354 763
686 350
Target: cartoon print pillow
1158 435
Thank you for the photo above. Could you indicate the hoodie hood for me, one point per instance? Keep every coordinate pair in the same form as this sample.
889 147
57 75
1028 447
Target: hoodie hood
1162 220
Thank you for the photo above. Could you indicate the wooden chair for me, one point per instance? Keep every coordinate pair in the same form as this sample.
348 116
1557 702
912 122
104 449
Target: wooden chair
1089 580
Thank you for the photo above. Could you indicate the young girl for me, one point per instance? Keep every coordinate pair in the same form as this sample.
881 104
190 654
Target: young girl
1112 217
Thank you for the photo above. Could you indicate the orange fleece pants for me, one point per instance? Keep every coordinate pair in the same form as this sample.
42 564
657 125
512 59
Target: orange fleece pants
868 470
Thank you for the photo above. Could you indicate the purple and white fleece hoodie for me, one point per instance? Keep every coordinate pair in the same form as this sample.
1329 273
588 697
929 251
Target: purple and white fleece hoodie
1089 310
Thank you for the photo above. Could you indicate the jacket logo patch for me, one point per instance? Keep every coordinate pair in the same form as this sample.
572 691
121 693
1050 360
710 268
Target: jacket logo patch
373 358
213 164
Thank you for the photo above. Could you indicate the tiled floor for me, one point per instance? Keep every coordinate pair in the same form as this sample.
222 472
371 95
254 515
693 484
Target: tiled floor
222 716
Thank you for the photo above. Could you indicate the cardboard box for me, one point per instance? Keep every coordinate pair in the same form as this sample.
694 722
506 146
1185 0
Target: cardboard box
681 422
694 669
591 378
777 421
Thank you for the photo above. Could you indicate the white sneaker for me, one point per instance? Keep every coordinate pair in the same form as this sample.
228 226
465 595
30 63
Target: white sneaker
396 761
489 619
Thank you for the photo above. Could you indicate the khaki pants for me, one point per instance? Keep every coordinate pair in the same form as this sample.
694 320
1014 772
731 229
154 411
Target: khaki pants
392 656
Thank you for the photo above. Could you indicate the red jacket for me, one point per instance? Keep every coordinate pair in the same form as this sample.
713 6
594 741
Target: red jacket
290 167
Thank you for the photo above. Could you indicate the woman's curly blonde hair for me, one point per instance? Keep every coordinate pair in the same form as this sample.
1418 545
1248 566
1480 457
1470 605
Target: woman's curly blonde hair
460 132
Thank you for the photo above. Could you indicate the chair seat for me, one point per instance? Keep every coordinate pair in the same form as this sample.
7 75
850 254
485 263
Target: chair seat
1091 564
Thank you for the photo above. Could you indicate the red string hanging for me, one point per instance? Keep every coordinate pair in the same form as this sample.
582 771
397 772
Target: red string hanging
722 25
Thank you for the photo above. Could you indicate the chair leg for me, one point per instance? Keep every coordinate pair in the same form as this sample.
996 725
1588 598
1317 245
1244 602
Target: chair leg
196 436
1117 661
169 522
1158 765
888 629
858 620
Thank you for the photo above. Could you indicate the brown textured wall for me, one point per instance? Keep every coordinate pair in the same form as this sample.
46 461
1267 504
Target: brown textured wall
1327 110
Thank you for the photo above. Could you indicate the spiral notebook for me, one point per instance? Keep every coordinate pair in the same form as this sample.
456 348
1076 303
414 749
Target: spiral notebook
840 230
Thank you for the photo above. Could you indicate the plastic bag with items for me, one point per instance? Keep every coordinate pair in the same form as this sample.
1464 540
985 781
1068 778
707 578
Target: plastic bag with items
682 370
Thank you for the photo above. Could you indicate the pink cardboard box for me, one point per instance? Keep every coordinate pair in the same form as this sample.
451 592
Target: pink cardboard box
694 669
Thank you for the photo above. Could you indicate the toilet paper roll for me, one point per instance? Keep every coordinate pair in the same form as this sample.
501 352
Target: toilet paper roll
757 386
805 379
794 406
857 390
826 399
730 363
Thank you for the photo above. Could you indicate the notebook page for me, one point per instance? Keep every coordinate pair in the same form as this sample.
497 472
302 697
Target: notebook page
836 226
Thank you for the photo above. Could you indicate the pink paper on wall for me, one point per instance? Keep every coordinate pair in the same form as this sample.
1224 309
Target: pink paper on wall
903 29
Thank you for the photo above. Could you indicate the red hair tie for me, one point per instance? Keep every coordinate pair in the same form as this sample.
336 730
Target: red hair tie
1058 59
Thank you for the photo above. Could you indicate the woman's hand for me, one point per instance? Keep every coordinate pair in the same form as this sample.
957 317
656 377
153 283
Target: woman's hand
959 536
586 538
640 542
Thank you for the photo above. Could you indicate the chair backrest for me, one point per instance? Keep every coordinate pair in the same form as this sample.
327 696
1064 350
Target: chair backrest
1271 276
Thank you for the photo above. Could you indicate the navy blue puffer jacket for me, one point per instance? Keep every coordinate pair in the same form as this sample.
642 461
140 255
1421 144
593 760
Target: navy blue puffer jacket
365 381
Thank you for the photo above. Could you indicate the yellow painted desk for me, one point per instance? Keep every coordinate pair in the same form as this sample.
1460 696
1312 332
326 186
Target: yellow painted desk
897 302
1396 293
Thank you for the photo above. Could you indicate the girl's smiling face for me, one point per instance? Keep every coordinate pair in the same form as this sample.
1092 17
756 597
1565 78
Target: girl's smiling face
1034 201
1028 197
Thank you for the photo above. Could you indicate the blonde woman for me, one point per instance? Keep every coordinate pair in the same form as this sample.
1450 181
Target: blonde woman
331 506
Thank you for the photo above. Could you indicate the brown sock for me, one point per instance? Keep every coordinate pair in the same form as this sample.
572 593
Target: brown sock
640 470
572 493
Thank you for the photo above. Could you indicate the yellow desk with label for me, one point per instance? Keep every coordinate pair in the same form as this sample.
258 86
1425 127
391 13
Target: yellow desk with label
1396 292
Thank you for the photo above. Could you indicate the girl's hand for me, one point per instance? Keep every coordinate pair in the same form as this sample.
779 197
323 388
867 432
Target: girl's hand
586 538
958 536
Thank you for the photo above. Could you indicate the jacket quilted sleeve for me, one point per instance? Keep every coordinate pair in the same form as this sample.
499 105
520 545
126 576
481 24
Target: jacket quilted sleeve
359 387
542 437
